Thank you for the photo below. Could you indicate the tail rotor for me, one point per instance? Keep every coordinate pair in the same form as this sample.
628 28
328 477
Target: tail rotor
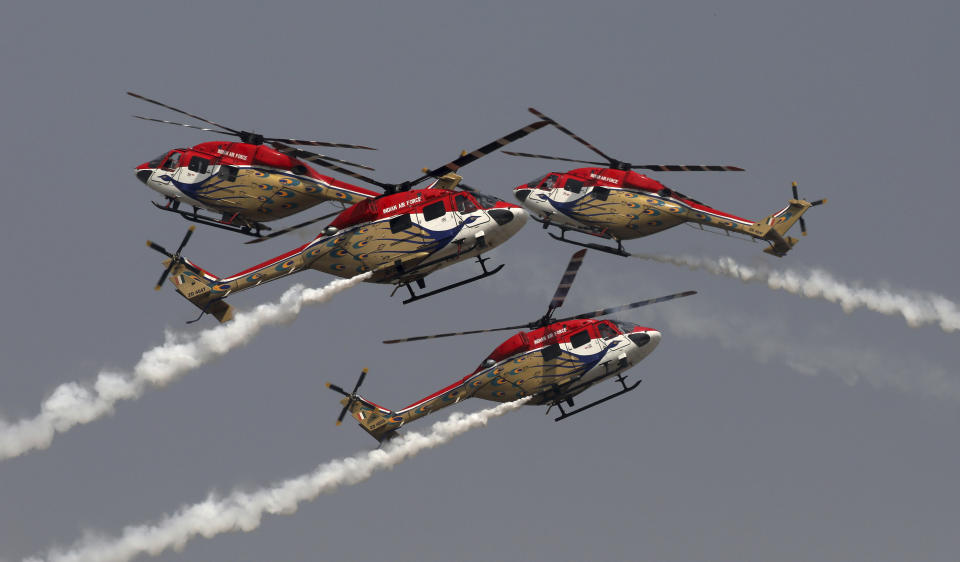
174 257
803 223
352 396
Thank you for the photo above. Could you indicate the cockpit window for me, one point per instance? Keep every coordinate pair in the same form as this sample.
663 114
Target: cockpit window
536 182
625 327
549 182
606 332
464 204
486 201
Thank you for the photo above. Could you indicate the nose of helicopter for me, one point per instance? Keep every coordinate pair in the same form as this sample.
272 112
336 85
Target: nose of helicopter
518 217
521 193
645 341
143 172
505 213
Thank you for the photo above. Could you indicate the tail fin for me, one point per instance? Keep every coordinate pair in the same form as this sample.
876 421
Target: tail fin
777 224
199 287
380 423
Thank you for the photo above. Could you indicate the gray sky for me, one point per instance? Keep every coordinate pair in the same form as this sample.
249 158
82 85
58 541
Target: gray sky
731 450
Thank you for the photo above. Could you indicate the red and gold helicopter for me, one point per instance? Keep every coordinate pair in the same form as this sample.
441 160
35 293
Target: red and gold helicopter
400 236
245 184
614 202
552 362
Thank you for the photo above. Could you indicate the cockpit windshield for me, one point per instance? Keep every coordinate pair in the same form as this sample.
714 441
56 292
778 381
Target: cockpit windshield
605 331
536 182
625 327
486 201
155 162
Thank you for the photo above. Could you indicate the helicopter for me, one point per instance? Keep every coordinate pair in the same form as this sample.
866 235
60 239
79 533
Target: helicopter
552 362
401 236
246 183
613 202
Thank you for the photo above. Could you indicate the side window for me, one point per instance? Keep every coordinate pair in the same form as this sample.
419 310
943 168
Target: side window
400 223
606 332
580 338
551 352
433 211
228 173
198 165
464 204
573 185
601 193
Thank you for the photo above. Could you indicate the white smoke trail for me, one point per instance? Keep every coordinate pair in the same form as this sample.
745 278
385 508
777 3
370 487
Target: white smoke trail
853 363
76 403
243 511
917 308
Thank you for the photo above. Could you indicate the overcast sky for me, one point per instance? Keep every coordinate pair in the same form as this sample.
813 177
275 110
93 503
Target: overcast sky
768 426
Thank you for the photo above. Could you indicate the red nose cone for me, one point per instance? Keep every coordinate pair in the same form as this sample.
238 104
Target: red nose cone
144 166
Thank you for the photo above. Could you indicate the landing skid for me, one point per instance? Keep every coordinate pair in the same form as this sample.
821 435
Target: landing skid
421 284
209 221
569 401
618 251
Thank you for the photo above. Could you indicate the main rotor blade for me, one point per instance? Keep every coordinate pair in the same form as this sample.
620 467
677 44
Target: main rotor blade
183 125
535 324
529 155
447 335
571 134
319 160
291 228
637 304
687 168
171 108
313 156
319 143
566 281
470 157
